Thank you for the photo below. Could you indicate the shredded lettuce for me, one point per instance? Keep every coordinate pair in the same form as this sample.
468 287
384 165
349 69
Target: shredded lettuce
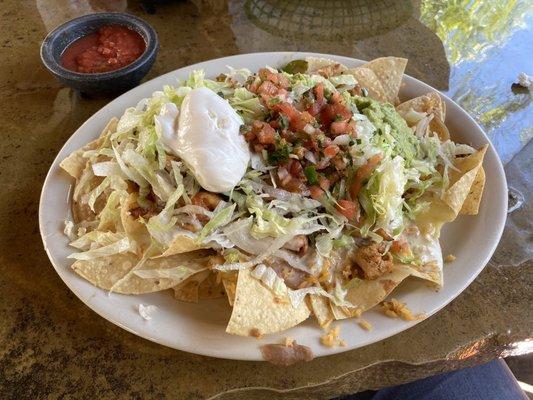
247 104
122 245
178 273
162 226
388 201
110 214
277 285
69 230
343 82
219 219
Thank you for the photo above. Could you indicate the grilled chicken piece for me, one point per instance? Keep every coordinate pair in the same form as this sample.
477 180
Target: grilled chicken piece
372 263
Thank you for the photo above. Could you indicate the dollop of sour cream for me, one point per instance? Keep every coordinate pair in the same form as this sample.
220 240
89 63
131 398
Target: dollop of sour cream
205 135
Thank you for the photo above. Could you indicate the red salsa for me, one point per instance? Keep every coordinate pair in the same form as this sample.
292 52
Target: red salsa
110 48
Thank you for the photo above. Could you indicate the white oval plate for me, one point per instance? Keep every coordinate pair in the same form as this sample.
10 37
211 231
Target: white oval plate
200 328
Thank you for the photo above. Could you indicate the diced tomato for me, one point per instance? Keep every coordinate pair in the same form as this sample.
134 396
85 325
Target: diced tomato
315 108
276 78
249 136
298 124
274 123
364 173
326 117
267 87
282 93
281 80
339 127
297 120
324 182
266 98
267 136
350 209
306 117
264 132
331 151
336 98
334 112
311 144
341 112
319 93
295 168
316 192
287 109
254 85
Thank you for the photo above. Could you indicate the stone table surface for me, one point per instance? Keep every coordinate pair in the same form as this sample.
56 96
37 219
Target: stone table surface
54 347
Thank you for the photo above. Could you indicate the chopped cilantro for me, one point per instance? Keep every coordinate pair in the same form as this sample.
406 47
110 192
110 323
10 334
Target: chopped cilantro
283 121
274 101
280 154
311 175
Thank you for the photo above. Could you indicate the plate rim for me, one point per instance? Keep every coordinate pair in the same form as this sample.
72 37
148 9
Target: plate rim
498 172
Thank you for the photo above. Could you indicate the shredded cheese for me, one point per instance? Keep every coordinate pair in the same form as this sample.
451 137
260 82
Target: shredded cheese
397 309
449 258
289 342
331 338
367 326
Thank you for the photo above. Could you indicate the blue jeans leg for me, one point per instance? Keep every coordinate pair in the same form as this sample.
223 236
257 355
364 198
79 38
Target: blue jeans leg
491 381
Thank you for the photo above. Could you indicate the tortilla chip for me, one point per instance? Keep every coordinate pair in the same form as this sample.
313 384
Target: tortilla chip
430 103
473 200
82 212
80 209
230 287
211 287
446 209
133 227
368 293
315 63
188 290
256 311
182 244
431 271
436 125
367 79
116 271
389 71
321 309
461 181
75 163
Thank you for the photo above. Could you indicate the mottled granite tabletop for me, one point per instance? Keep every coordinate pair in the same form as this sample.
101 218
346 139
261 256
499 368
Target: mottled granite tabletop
52 346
